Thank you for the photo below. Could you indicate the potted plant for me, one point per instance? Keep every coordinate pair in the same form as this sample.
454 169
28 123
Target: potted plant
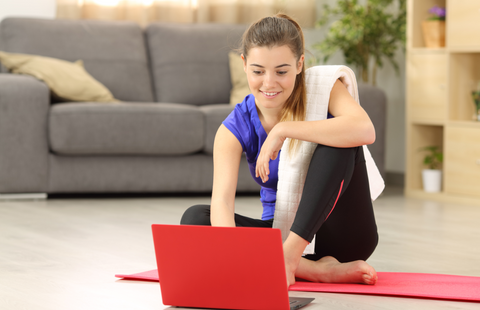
476 101
434 28
432 176
364 33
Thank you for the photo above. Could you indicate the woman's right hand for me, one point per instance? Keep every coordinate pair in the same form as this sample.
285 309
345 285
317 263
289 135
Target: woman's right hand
269 151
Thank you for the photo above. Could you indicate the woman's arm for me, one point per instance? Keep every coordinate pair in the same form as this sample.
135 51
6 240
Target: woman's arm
227 152
350 127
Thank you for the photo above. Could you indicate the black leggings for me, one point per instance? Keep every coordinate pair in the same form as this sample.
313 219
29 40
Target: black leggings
335 205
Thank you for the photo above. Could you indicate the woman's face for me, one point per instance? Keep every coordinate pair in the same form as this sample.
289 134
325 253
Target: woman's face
271 74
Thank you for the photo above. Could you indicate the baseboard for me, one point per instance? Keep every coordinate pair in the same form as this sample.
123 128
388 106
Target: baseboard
28 196
395 179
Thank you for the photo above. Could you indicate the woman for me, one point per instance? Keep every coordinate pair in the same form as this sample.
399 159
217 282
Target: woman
336 203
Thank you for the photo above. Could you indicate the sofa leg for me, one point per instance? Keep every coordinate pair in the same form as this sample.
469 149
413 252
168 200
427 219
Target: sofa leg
28 196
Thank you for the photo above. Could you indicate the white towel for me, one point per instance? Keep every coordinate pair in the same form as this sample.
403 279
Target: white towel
292 171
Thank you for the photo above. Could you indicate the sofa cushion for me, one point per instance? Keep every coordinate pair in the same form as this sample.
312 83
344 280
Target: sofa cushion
126 128
114 53
67 80
240 88
190 62
215 114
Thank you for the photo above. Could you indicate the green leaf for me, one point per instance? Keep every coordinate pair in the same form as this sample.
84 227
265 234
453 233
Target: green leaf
364 32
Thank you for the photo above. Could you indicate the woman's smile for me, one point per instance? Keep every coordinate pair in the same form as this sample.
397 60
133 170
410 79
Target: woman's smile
270 94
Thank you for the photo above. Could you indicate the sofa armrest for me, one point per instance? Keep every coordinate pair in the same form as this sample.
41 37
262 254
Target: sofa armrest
374 101
24 108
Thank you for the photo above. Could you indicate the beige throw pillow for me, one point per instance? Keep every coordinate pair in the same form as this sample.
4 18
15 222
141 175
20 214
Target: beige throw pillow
239 79
67 80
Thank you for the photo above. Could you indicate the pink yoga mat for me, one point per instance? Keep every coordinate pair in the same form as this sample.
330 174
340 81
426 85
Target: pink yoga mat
417 285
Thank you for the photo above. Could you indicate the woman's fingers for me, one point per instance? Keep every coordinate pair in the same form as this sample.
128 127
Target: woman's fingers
266 171
269 151
262 169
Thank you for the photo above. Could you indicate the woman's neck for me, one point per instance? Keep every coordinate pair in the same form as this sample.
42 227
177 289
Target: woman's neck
268 117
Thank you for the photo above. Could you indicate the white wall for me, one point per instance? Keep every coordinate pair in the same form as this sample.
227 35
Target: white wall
27 8
394 87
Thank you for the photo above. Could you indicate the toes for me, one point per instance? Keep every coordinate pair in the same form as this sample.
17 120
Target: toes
368 279
369 274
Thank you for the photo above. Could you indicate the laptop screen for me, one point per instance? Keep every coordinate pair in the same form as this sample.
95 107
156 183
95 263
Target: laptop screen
221 267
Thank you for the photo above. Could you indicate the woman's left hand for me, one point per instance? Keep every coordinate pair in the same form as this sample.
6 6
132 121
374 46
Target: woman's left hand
270 149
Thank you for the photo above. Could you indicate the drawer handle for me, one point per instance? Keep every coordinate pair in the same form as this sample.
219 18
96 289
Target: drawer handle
478 162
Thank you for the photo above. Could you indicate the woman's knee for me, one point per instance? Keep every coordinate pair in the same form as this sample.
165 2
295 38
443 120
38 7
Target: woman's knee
196 215
371 246
325 151
363 250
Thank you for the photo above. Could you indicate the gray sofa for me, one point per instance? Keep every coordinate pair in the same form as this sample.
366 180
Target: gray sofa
174 84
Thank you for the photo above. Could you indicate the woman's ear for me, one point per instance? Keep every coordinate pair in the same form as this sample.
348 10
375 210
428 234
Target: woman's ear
244 63
300 64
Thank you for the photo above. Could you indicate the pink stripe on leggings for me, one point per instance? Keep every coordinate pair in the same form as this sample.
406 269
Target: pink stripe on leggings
338 196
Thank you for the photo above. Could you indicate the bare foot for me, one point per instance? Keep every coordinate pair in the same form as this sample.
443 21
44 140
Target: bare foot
290 275
330 270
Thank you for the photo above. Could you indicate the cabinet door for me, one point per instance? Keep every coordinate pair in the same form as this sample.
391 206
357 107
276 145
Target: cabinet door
427 83
462 160
463 23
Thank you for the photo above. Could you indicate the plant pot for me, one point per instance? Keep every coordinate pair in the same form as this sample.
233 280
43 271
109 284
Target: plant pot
434 33
432 180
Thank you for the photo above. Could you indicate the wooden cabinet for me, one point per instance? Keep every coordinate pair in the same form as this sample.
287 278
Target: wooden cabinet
463 24
427 85
440 110
462 160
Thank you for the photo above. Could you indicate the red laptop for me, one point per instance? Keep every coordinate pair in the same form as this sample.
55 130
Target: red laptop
222 267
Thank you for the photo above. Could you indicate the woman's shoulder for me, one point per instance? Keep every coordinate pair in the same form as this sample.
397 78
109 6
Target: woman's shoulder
244 111
245 107
241 115
240 121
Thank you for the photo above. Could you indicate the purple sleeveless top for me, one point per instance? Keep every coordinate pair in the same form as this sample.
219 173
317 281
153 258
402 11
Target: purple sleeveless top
245 124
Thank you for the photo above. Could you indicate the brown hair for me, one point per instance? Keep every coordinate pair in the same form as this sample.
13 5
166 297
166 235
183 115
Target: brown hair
280 30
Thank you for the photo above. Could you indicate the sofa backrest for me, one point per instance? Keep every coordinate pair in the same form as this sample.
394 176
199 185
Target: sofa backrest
190 61
114 53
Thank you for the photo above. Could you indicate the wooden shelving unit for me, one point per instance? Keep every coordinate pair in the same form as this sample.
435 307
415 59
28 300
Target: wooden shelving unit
440 110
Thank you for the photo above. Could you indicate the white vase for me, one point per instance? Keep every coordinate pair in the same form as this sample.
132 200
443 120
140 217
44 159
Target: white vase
432 180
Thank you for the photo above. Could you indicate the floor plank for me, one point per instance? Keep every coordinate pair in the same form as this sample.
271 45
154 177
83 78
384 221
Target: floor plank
63 253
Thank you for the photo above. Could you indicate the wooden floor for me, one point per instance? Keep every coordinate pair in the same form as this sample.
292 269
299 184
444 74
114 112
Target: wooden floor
64 253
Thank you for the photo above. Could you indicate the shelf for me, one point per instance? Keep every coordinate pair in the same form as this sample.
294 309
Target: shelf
464 74
417 11
464 49
426 121
418 137
464 124
444 50
426 50
440 109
